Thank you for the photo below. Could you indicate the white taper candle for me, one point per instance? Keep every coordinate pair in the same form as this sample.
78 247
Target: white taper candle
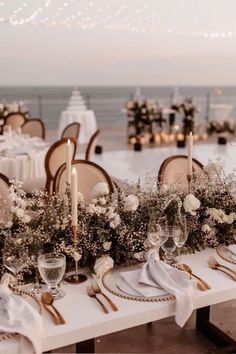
68 162
74 197
190 155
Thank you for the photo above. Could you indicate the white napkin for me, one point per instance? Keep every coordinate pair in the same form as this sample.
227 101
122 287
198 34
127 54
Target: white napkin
174 281
232 249
17 315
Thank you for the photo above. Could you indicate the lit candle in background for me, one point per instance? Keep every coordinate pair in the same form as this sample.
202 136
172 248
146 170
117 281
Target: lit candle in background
68 162
190 155
74 197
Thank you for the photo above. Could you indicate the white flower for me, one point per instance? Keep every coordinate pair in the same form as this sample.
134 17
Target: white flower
26 219
80 198
206 228
131 203
76 256
102 201
191 204
106 245
19 213
100 189
102 265
140 256
115 222
164 188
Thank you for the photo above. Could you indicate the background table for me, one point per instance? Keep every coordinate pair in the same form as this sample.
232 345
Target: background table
220 112
85 320
85 118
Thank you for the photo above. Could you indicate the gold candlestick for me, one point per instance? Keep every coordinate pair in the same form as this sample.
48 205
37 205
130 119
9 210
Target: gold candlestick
75 277
189 179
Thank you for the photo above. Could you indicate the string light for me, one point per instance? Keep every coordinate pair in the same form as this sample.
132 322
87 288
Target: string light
218 16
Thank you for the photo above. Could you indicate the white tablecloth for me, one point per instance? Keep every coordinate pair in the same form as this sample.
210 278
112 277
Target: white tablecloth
23 160
85 118
220 112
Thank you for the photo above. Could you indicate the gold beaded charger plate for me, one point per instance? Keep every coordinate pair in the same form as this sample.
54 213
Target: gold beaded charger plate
115 284
226 254
29 297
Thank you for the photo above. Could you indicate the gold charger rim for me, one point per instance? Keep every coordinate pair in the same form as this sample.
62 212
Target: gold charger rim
159 298
218 251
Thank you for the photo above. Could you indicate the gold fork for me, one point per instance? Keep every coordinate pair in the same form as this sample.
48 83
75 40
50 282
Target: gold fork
91 293
217 264
98 290
213 265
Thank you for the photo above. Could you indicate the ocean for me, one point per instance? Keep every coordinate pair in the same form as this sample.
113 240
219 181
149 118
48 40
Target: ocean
107 102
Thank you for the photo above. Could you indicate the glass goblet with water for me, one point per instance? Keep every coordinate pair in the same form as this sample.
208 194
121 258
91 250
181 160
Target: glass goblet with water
52 268
180 235
15 255
35 250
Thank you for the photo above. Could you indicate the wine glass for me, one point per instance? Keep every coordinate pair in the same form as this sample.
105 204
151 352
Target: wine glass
52 268
35 250
180 235
15 255
168 247
157 231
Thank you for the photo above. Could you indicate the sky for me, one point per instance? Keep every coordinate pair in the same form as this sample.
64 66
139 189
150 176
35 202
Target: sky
58 55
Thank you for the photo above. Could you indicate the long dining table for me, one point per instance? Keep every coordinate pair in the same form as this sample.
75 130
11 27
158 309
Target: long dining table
85 320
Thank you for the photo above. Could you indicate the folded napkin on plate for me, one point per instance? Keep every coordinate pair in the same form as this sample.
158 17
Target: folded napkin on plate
158 278
18 316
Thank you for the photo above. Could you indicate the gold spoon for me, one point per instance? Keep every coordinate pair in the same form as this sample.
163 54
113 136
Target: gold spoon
47 299
187 269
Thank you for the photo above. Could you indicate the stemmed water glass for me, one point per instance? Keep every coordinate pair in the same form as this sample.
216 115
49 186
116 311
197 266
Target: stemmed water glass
15 255
156 231
52 268
180 235
35 250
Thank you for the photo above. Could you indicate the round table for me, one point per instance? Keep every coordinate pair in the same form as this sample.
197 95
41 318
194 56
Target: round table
85 118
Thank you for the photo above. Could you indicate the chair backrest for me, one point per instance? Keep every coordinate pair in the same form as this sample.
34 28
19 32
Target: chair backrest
4 195
91 146
34 127
71 131
89 174
55 157
174 168
15 120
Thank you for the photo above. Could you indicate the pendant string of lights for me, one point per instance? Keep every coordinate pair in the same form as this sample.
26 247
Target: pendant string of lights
143 16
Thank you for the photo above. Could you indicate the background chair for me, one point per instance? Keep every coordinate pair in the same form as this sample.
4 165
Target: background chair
174 168
4 197
89 174
34 127
15 120
71 131
56 156
91 146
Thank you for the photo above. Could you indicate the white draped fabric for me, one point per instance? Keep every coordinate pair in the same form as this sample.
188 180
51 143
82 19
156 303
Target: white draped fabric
87 120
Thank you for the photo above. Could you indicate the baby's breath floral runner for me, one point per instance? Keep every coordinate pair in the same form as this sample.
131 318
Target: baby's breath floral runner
112 229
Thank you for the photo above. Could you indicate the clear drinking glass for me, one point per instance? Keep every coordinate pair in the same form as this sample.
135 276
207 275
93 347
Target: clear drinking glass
52 267
157 231
15 255
35 250
168 247
180 235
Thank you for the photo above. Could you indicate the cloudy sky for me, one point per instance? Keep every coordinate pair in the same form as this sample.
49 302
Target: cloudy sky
58 55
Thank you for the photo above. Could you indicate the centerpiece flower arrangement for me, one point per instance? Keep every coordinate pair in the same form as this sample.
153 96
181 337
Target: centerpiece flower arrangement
113 229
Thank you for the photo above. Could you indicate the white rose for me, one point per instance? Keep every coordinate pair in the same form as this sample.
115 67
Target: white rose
102 265
164 188
206 228
107 245
191 204
115 222
76 256
100 189
19 213
131 203
26 219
